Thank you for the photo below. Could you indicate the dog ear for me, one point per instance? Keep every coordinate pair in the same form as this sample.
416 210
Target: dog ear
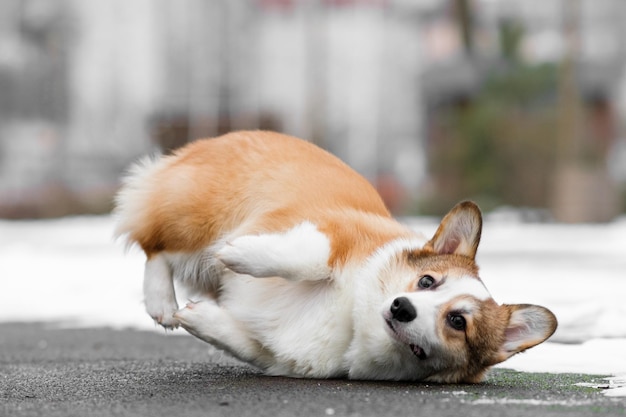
459 231
528 326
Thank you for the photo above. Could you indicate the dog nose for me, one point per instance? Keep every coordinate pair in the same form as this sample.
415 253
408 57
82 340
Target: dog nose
402 310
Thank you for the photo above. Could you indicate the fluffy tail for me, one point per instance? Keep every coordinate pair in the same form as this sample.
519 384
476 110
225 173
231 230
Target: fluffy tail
133 198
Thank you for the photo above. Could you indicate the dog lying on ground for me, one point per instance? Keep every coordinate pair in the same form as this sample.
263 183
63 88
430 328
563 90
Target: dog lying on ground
304 273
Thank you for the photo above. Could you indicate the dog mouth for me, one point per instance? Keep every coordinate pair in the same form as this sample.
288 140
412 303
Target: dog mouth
416 349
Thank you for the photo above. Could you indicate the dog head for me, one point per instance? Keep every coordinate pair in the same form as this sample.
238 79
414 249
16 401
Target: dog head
440 313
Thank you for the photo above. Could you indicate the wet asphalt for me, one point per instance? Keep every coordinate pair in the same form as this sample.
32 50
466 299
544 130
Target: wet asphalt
47 370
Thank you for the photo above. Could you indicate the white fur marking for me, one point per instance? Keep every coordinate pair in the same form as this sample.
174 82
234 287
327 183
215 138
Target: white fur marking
465 285
381 258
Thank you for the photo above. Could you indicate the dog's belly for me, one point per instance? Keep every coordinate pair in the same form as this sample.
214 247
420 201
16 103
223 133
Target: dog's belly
307 326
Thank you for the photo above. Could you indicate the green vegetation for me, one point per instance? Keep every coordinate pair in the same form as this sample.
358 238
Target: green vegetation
504 143
500 149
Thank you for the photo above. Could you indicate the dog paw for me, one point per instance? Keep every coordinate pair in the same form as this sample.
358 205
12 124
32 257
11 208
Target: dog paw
299 254
163 314
196 317
244 255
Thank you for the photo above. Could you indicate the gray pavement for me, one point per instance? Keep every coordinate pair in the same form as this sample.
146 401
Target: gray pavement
48 371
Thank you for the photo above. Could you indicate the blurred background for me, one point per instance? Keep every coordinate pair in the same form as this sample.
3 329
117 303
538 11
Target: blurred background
510 103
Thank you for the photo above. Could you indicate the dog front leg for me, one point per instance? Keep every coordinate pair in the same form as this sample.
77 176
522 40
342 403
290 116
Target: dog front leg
207 321
299 254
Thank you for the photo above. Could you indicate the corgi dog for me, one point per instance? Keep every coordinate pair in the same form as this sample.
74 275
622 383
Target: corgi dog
303 272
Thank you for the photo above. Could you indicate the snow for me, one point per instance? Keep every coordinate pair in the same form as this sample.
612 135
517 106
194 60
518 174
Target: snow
72 271
616 387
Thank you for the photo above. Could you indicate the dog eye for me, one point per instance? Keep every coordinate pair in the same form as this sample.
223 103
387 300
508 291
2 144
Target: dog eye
456 321
426 281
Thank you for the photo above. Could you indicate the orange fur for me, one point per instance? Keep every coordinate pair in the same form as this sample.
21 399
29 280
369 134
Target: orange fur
274 182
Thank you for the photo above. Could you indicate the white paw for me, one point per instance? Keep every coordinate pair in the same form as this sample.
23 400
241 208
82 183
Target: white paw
197 318
299 254
244 255
162 312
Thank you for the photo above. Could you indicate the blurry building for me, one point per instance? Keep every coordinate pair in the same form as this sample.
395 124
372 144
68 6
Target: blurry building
78 83
87 87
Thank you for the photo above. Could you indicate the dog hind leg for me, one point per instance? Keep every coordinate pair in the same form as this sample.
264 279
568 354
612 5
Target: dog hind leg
158 289
299 254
